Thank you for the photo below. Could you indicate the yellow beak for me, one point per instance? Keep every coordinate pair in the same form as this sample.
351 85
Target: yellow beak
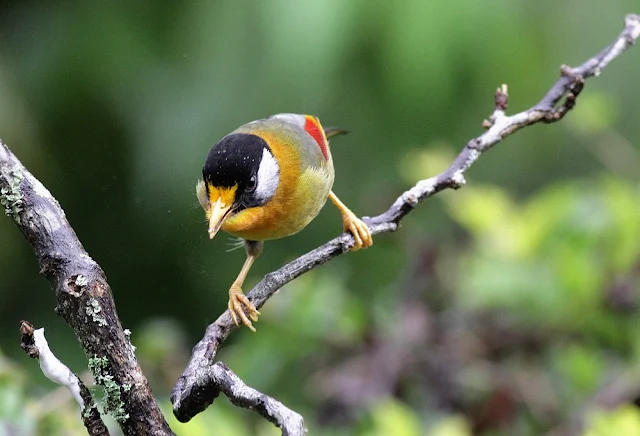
219 212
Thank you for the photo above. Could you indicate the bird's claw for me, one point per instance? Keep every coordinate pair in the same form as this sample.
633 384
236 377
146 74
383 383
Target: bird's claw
359 230
238 303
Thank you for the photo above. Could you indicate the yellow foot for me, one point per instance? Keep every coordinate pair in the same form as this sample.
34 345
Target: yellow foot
358 229
238 303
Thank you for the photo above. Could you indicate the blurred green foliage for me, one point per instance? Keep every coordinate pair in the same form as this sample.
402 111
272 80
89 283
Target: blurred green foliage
508 307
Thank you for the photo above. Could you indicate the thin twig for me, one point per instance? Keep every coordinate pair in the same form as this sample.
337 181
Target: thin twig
35 345
560 99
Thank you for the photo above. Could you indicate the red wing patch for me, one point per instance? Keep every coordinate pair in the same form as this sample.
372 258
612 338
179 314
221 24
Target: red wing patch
313 128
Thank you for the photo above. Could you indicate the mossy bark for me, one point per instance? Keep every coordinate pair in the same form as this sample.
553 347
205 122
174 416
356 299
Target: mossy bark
84 298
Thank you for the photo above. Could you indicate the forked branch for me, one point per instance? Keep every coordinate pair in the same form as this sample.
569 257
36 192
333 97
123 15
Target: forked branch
560 99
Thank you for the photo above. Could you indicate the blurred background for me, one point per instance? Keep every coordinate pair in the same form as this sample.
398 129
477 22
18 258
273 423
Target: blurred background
509 307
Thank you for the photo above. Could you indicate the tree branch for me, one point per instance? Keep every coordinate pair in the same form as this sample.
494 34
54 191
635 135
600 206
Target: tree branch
186 395
218 378
84 298
35 345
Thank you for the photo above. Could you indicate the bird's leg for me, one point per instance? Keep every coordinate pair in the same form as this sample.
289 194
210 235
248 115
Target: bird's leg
353 224
238 302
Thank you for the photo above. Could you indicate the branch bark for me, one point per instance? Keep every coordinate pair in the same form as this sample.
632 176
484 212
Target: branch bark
559 100
84 298
219 378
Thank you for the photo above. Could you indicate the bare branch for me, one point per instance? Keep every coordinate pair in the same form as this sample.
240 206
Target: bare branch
552 107
218 378
35 345
83 295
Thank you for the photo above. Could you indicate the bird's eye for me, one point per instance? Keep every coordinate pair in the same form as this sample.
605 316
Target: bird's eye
251 184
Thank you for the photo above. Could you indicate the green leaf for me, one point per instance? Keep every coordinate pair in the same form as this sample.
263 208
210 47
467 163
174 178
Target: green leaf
390 417
451 426
596 112
624 420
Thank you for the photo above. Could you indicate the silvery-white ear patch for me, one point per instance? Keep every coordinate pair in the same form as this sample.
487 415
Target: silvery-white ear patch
268 176
201 192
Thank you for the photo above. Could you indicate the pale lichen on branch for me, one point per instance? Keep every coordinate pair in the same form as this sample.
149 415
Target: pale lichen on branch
36 346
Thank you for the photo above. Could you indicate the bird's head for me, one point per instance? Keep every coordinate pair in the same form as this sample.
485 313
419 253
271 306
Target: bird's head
240 172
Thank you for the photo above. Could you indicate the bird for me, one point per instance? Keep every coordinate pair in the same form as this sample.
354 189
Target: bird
267 180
